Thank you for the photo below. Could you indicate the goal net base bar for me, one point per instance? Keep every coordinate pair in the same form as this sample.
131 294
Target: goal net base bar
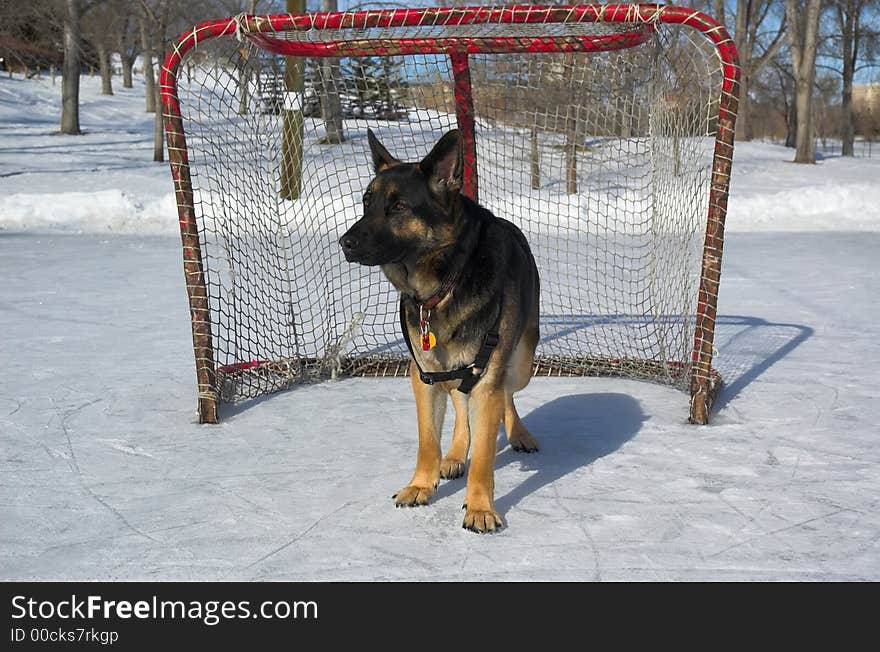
287 373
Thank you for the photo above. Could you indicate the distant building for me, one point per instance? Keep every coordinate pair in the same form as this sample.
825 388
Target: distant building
866 98
866 107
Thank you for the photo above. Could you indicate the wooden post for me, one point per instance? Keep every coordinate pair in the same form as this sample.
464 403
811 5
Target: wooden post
292 119
330 78
571 133
536 160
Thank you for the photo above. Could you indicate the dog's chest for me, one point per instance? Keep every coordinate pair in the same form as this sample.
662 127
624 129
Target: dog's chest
448 353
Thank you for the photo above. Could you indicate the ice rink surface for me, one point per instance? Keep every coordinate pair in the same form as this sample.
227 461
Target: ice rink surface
106 474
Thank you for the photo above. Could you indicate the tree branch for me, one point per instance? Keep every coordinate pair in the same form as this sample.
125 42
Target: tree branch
773 49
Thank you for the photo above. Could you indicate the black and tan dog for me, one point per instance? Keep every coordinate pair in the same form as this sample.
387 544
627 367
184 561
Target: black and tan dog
469 313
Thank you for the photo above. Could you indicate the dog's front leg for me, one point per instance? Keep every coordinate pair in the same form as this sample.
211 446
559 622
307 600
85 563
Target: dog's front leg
453 464
430 409
487 403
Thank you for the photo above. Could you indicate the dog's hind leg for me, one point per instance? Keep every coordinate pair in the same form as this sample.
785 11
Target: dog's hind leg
430 410
452 465
518 375
518 436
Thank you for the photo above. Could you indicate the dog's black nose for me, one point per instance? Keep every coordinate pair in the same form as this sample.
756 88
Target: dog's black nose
348 243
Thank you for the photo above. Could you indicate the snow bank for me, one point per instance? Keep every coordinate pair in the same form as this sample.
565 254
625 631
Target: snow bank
830 207
105 211
105 181
769 193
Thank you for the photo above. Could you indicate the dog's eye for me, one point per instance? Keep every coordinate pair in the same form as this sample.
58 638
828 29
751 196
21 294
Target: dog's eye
399 206
367 197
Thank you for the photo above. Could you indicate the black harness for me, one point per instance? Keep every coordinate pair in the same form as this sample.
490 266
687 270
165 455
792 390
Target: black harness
469 374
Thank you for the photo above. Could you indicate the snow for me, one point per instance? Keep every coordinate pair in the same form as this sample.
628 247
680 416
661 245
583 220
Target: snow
107 476
105 182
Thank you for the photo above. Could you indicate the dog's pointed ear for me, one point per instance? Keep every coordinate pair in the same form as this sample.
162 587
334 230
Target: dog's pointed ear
382 160
444 166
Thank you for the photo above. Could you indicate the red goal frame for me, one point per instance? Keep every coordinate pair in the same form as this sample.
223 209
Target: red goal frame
263 31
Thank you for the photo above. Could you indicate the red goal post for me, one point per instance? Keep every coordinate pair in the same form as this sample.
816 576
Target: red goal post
623 26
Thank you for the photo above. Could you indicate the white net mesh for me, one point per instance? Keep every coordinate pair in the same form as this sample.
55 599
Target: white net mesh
603 159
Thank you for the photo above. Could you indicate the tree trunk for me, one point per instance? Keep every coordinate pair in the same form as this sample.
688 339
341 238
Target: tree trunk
149 82
748 35
244 72
803 142
847 127
743 123
571 147
158 130
848 23
743 48
149 77
70 69
791 124
125 45
127 65
244 80
158 125
572 130
292 119
331 106
106 70
803 28
536 160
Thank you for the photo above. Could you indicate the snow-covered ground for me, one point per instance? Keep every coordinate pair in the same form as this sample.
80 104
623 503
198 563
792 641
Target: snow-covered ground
106 475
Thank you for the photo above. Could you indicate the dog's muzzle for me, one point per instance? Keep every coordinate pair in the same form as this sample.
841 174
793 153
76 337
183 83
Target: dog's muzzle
349 246
352 247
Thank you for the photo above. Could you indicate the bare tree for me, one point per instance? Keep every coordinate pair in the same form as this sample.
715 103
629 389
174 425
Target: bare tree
788 101
803 34
154 25
826 109
72 15
99 29
149 53
328 78
245 67
29 36
855 35
759 34
127 40
70 69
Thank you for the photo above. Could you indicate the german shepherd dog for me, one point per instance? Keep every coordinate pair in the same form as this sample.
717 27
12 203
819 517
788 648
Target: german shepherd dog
469 313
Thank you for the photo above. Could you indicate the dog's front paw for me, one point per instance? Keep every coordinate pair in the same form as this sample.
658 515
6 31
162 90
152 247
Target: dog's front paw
413 496
451 468
482 520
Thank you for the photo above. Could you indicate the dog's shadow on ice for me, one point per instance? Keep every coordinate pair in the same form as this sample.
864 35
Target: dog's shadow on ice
573 432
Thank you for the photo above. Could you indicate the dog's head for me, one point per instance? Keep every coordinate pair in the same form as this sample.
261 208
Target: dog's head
409 208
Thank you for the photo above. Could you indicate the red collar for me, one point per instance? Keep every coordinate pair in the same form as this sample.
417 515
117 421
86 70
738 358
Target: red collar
445 288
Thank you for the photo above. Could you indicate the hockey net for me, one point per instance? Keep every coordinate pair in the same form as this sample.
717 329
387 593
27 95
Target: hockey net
604 133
